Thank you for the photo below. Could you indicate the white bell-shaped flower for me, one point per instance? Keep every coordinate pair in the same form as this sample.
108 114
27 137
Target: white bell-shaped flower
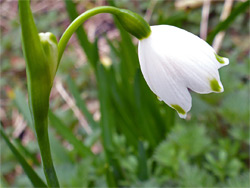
173 61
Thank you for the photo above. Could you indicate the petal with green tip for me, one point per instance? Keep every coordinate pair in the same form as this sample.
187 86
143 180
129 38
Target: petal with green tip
173 61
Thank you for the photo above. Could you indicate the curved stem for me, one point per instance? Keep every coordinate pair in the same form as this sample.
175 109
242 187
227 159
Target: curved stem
79 21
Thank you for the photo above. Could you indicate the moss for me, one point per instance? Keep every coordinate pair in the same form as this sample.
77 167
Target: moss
178 109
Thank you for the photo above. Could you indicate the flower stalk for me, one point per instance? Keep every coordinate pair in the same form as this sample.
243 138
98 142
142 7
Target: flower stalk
132 22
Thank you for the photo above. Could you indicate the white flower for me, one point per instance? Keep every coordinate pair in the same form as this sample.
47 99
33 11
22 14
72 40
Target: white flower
173 60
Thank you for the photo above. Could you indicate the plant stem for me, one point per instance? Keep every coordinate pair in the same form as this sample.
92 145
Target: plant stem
39 86
44 145
79 21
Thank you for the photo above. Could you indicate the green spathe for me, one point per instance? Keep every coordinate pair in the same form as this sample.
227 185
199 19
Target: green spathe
215 85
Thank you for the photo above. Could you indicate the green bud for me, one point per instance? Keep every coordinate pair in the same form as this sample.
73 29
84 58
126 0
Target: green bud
133 23
50 48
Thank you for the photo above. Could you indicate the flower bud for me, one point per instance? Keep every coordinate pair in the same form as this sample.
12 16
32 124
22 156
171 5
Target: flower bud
133 23
50 48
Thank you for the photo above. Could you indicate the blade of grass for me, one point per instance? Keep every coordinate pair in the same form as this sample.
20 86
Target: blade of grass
129 58
107 125
110 177
87 46
121 98
144 118
81 103
26 152
124 113
22 105
32 175
170 118
142 161
106 119
67 134
239 9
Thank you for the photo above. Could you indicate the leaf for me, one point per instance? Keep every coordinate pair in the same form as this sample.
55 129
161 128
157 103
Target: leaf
234 107
113 170
142 161
239 9
107 120
22 105
241 181
68 135
60 153
146 112
26 152
89 48
33 177
81 103
182 143
193 176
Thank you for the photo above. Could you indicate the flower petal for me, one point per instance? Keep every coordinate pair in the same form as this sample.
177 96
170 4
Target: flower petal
160 79
173 60
196 61
221 61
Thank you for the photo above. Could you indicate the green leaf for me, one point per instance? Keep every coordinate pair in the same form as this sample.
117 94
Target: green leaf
105 108
87 46
147 126
26 152
114 172
241 181
239 9
68 135
234 107
34 178
81 103
193 176
183 142
22 105
142 161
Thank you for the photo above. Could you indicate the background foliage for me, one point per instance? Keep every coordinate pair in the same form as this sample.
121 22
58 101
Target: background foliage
106 127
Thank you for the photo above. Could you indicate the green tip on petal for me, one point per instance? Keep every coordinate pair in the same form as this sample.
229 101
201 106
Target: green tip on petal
178 109
214 84
219 59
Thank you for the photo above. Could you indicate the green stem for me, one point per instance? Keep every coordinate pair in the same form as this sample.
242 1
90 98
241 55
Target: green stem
39 86
79 21
44 145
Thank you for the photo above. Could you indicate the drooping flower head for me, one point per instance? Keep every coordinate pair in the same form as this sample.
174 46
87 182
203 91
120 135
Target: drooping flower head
173 61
